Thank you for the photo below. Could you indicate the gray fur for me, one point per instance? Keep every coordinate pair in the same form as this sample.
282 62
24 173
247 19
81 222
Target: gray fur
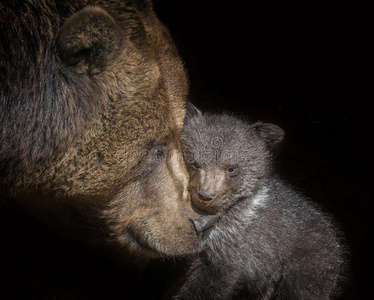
269 241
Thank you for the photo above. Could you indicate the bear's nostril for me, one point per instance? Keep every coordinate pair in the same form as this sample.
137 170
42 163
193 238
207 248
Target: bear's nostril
205 195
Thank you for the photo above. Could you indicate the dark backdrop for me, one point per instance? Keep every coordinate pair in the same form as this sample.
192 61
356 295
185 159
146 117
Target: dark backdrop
302 67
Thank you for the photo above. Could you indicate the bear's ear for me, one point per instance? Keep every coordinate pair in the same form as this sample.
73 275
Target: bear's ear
88 40
192 111
270 133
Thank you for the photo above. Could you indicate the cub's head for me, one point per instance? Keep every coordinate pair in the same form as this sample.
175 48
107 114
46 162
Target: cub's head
226 157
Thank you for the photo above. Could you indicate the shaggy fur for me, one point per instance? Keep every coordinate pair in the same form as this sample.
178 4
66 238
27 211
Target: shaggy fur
92 97
264 240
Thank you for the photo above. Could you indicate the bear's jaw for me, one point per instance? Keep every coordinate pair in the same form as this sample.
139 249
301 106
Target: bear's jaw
142 245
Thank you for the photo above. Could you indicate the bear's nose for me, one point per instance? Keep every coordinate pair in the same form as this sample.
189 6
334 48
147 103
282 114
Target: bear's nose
205 195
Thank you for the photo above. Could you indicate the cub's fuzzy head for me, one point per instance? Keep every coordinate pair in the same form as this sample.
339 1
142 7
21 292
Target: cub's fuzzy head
226 157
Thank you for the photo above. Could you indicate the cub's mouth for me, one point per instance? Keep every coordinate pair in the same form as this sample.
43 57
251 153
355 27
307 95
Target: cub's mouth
204 207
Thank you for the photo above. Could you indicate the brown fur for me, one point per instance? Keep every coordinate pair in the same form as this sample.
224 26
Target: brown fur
97 112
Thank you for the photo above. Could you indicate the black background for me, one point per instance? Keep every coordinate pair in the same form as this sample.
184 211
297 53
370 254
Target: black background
303 67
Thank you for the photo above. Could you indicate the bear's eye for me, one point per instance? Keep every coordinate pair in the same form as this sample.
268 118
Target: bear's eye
158 154
232 170
193 163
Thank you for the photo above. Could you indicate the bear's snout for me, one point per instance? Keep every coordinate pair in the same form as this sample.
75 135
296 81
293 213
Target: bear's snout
203 225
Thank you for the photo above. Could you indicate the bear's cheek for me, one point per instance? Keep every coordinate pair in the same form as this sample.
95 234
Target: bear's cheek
156 229
154 221
153 234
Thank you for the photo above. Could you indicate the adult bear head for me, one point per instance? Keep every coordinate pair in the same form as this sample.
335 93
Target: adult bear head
91 112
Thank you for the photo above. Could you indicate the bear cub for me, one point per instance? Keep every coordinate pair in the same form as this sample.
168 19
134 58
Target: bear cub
260 239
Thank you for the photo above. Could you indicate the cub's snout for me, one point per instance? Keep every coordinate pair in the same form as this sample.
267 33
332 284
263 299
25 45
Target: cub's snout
205 195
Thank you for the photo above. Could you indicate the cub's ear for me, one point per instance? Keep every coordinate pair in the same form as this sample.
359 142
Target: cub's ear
192 111
270 133
88 40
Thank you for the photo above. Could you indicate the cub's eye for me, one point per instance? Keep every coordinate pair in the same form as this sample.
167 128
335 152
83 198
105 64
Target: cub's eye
193 163
232 170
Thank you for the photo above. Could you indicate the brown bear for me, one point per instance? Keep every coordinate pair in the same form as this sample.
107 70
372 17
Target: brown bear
92 103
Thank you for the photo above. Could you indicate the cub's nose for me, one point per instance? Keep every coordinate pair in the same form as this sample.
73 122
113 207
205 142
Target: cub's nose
205 195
